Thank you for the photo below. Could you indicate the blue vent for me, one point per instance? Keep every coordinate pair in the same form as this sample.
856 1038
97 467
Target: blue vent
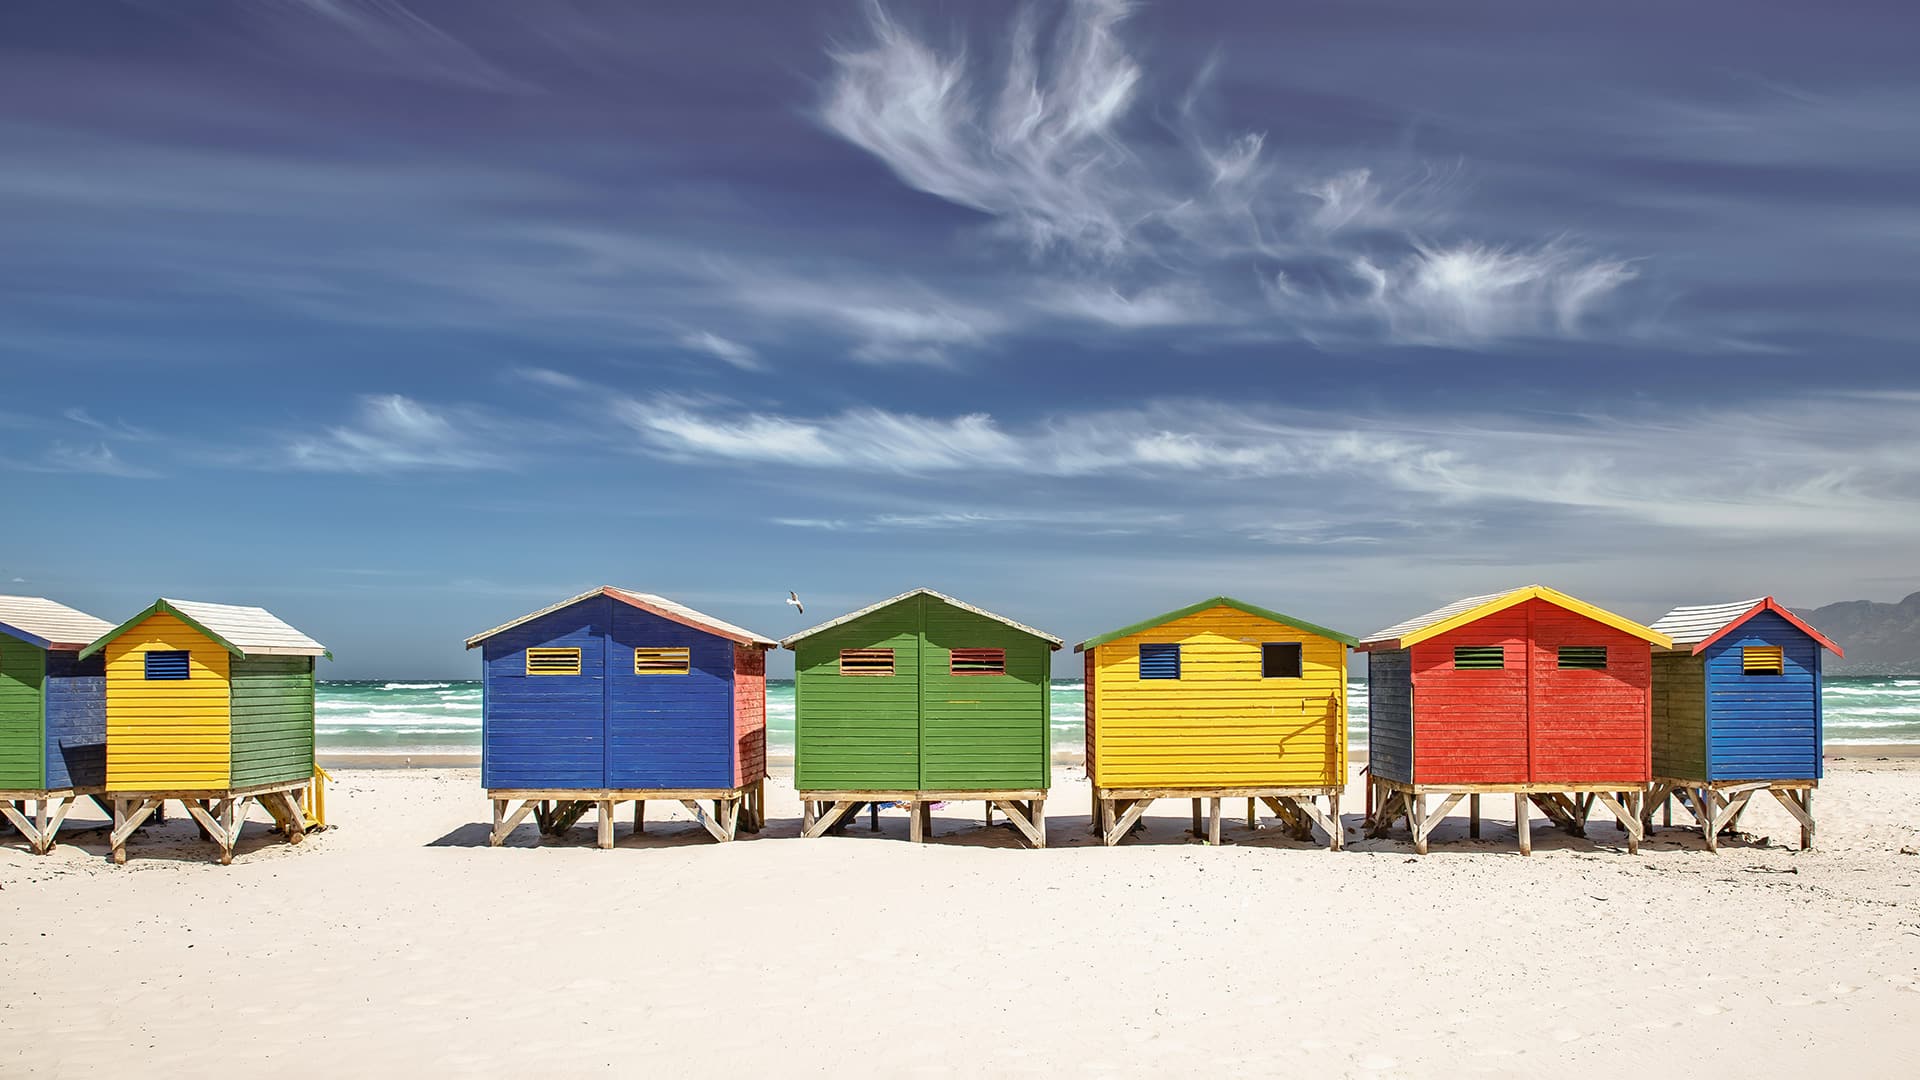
1159 661
167 665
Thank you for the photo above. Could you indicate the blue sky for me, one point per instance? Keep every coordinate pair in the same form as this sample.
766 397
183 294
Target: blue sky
404 318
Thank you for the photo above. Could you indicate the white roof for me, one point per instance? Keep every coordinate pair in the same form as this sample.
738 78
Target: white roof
659 605
50 625
961 604
254 631
1693 625
1437 615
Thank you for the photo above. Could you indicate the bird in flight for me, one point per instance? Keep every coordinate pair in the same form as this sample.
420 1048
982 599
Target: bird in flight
794 599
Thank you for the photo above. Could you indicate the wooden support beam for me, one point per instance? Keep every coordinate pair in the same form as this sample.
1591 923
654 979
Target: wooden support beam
127 818
1197 834
1128 819
1023 822
1800 805
503 825
1253 815
916 824
711 822
1039 816
1473 815
1629 819
1522 823
1336 830
603 835
824 820
1213 822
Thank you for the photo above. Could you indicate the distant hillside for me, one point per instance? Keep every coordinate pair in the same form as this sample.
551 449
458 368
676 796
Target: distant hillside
1880 639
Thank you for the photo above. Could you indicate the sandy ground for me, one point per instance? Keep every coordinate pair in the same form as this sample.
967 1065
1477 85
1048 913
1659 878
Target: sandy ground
399 942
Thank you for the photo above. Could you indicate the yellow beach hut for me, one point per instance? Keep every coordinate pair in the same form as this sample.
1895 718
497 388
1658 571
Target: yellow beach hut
1218 700
210 705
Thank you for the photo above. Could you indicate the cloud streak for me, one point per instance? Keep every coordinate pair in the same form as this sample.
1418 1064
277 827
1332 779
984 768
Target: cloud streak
394 433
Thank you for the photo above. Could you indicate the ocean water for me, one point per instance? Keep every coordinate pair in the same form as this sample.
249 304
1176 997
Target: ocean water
444 717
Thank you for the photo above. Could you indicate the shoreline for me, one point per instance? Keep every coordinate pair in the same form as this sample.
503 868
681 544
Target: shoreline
442 759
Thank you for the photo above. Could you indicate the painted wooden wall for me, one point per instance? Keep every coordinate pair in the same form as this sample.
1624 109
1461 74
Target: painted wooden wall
981 732
272 719
923 727
1221 723
749 714
76 720
1390 715
546 731
23 671
1532 721
859 732
1764 727
168 734
668 731
1679 716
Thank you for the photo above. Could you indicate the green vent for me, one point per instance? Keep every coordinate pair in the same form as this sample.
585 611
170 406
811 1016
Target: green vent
1479 657
1584 657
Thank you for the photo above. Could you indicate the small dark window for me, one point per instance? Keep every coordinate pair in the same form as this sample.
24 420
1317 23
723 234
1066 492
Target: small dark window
1280 660
977 662
1479 657
866 662
1159 661
1583 657
170 664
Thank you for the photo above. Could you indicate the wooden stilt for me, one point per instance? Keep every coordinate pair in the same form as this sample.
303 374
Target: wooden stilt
916 827
639 816
1418 820
1213 822
1473 816
1336 830
1039 816
1196 819
1522 811
1253 816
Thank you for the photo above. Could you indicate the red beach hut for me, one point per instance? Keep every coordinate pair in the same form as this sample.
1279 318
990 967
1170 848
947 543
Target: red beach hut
1528 692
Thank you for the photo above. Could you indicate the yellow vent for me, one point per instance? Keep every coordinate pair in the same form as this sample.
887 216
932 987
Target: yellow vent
866 661
662 661
1763 660
553 661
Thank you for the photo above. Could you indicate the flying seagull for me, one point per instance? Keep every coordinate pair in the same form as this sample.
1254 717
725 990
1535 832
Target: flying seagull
794 599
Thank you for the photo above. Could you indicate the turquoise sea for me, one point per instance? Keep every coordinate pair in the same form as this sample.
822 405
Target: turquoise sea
444 717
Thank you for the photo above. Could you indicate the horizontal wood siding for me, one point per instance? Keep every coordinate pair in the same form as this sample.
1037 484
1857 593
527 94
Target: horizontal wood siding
1764 727
173 733
272 720
859 731
1390 715
1588 726
749 714
1221 723
982 731
668 731
1089 692
76 720
23 672
1470 726
547 731
1680 716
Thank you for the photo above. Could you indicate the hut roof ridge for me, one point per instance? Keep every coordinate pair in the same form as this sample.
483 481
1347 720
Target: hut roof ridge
242 630
1207 604
671 610
1052 641
1473 608
1695 627
49 623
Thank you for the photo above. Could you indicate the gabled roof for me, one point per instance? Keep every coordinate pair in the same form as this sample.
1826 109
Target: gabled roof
658 605
1694 629
50 625
1474 608
242 631
1051 641
1205 605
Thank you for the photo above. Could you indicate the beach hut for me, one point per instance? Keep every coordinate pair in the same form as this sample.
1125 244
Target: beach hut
920 699
1528 692
53 720
1736 710
1220 699
210 705
618 696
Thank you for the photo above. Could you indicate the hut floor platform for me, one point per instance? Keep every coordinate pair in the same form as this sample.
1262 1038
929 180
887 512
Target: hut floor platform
49 812
1565 804
1117 811
735 809
220 812
1716 805
822 812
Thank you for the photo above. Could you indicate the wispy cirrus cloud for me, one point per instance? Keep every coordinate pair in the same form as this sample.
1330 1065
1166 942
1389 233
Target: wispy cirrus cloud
725 350
1053 138
395 433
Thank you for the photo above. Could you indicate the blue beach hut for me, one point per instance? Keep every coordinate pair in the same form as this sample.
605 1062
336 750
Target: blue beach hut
53 714
619 696
1736 711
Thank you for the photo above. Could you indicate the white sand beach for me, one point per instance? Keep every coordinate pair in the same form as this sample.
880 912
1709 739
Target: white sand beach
399 943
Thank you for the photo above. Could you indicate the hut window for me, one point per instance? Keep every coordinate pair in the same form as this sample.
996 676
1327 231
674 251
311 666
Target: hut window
977 662
167 664
1479 657
663 661
1280 660
1159 661
1583 657
866 661
1763 660
553 661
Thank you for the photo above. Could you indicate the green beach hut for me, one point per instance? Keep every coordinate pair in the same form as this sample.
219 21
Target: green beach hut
918 699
